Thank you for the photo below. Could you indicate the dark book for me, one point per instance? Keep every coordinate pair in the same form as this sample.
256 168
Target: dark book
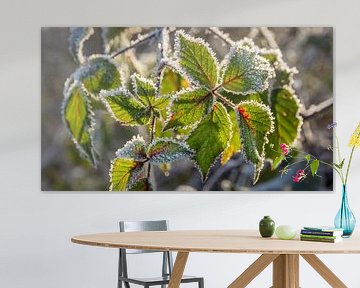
321 233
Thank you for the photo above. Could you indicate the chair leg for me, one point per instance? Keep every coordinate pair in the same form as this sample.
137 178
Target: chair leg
201 283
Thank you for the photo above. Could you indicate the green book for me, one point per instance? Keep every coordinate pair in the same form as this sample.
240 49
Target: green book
325 240
319 236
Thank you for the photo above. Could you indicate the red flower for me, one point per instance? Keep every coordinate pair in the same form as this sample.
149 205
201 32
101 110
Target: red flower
284 148
300 175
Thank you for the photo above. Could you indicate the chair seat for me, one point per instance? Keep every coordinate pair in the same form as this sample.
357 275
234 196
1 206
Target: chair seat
158 280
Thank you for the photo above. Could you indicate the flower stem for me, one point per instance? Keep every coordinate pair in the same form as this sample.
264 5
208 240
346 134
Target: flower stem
348 166
339 171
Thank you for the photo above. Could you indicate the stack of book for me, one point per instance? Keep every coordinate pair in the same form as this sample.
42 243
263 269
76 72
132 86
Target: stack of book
321 234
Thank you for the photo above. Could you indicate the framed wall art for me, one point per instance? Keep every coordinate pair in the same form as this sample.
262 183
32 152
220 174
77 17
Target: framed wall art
187 109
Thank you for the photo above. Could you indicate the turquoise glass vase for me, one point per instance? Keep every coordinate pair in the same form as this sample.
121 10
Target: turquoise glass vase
345 219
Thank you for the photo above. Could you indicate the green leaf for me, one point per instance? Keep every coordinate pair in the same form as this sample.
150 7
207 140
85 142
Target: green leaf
340 166
141 185
133 149
189 107
262 97
307 157
78 35
256 123
245 71
124 173
314 166
144 89
166 150
235 141
125 108
172 82
196 59
79 120
277 161
99 73
286 110
210 138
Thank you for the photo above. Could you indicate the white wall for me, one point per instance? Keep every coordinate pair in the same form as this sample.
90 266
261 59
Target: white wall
35 227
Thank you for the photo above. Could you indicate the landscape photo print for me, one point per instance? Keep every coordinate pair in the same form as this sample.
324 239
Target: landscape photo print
186 109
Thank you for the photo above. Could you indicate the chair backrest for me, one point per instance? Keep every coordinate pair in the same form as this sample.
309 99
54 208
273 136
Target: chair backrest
135 226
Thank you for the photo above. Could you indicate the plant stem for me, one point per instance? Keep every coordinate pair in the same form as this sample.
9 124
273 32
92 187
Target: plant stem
223 36
162 33
339 159
224 100
152 132
348 166
148 37
325 163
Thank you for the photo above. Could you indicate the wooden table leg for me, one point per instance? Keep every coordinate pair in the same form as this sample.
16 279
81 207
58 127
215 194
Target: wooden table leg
324 271
253 270
178 269
286 271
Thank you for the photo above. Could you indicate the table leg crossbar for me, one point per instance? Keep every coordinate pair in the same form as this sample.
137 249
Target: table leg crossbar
285 271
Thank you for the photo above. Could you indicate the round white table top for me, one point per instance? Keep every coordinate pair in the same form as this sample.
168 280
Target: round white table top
217 241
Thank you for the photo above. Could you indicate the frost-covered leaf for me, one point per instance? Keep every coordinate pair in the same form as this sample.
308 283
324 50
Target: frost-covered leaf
125 108
256 123
286 109
166 150
245 71
262 97
141 185
284 75
172 82
133 149
99 73
210 138
79 120
189 107
78 35
197 59
235 141
124 173
159 132
144 89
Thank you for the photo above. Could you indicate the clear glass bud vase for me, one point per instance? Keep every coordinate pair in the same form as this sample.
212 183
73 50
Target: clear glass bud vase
345 219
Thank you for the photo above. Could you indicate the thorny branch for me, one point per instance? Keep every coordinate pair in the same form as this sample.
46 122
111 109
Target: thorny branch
154 34
313 110
269 36
223 36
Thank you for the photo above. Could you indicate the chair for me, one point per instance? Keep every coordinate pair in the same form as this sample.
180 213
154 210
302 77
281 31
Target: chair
167 262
